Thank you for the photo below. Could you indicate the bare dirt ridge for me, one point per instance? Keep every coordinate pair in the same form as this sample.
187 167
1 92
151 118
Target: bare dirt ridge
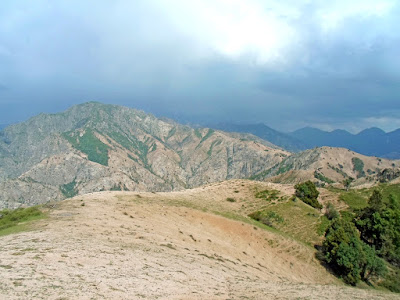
126 245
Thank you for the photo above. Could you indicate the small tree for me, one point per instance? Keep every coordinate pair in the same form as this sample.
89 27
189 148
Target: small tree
308 193
331 212
347 182
348 256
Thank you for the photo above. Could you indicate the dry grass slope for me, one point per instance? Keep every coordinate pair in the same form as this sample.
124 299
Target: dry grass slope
192 244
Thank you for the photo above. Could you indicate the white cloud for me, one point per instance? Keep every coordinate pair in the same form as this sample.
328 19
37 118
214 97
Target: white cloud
234 28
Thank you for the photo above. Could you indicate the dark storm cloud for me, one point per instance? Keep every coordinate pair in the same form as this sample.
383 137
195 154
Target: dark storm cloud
288 64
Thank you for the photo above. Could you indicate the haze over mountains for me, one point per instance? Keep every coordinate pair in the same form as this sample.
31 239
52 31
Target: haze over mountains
371 141
94 147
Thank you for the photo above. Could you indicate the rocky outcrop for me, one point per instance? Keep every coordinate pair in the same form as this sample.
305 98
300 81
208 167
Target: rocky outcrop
387 175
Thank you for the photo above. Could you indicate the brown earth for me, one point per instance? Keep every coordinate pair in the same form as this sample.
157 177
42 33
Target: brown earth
125 245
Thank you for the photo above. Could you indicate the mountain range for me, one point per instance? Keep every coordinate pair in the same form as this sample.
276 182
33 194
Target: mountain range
95 147
386 145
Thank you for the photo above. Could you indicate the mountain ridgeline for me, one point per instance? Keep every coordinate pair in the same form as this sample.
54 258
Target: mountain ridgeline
372 141
94 147
386 145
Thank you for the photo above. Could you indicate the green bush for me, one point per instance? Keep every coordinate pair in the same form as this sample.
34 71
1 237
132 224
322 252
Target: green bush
379 224
331 212
268 218
308 193
268 195
348 256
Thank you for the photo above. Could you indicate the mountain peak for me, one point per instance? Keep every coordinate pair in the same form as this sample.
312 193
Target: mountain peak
372 131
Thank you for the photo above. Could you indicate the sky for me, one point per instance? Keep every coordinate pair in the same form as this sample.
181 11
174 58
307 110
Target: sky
287 63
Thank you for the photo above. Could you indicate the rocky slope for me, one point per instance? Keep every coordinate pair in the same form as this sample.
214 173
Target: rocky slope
328 165
94 147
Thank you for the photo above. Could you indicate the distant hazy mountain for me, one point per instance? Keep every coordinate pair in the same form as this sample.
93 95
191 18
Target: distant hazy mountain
280 139
3 126
371 142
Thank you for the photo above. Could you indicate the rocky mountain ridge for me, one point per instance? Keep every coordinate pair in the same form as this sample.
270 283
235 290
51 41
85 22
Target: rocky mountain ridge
94 147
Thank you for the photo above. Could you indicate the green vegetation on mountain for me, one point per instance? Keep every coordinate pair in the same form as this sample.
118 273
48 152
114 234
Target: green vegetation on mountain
267 217
364 242
69 190
323 178
89 144
379 225
268 195
348 256
358 166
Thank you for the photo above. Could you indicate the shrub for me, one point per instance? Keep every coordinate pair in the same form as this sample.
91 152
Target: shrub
267 217
331 212
308 193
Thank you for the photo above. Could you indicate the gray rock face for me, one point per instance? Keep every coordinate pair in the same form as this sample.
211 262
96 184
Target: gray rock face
94 147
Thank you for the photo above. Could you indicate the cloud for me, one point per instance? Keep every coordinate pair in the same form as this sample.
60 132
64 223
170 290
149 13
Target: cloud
305 62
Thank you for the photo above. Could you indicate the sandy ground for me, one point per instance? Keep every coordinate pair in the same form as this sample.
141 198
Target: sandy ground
123 245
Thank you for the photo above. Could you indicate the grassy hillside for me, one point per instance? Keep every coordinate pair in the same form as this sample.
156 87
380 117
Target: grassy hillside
193 244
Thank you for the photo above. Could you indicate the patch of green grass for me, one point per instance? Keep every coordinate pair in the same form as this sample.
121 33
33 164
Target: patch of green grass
13 221
141 149
230 199
267 217
268 195
300 221
392 281
89 144
390 189
69 190
323 225
354 199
